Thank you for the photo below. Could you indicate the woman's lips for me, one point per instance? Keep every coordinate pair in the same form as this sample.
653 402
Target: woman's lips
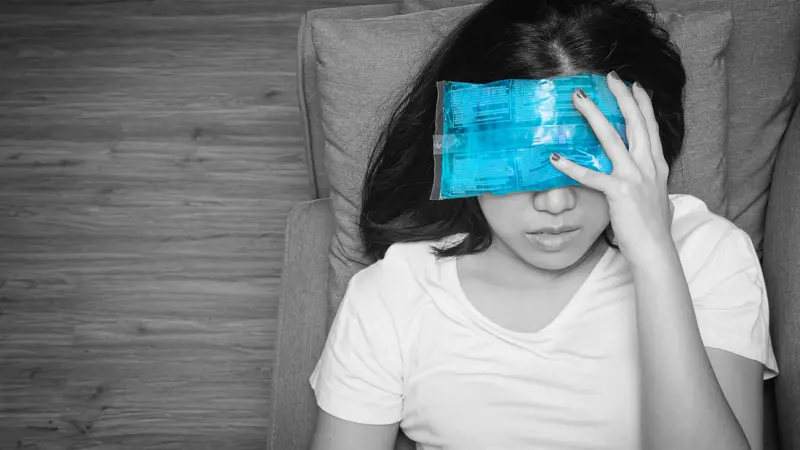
552 240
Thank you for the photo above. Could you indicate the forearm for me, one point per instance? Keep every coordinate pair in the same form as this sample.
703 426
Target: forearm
683 405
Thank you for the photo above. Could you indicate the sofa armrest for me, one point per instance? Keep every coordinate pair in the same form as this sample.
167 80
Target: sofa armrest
781 263
302 324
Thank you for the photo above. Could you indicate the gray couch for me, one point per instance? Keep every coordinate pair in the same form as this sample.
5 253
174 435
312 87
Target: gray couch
305 311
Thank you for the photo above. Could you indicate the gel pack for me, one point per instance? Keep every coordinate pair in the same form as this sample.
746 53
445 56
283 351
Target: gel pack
496 138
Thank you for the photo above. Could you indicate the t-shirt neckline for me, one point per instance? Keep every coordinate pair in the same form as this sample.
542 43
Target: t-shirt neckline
454 283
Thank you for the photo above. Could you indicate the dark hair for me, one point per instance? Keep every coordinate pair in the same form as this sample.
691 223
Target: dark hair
508 39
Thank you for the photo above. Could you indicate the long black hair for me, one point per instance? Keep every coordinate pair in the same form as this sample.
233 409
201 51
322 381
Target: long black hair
508 39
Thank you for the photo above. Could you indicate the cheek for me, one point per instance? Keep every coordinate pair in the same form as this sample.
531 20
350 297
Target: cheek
595 208
503 212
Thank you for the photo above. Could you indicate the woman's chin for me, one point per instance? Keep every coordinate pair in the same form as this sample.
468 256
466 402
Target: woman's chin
564 260
562 257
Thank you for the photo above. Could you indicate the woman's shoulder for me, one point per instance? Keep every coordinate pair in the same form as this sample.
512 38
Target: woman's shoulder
415 259
692 218
699 233
402 278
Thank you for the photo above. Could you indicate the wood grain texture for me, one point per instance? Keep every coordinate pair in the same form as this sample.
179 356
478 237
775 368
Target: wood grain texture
149 153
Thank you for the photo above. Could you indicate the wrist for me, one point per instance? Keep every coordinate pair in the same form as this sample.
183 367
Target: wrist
653 254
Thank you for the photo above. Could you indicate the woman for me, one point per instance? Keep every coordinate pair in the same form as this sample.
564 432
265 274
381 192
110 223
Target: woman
602 315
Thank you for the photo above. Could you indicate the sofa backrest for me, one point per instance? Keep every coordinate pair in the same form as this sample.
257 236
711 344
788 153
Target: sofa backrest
308 95
761 58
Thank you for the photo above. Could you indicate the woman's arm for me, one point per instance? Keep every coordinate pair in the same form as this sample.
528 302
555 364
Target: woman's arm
683 403
741 380
684 406
332 433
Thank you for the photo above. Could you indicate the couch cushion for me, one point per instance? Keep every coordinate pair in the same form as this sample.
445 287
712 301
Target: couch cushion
762 59
762 62
361 67
412 6
308 94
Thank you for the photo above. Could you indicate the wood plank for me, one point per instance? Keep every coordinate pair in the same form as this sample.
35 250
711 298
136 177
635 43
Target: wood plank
149 154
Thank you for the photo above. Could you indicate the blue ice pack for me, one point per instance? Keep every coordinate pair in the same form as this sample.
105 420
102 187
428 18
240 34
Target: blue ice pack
496 138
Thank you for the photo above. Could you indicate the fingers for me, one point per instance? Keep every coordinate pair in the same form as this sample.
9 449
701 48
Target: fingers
606 133
587 177
635 124
656 149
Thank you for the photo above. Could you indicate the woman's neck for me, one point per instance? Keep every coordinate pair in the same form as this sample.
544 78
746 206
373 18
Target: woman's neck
509 269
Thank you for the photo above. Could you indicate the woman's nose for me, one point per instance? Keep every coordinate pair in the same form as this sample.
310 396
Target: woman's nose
555 201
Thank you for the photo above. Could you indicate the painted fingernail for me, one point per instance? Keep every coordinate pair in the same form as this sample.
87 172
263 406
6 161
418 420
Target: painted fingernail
555 157
581 93
614 75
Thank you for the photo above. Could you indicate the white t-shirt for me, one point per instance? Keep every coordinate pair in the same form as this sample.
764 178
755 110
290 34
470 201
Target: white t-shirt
407 346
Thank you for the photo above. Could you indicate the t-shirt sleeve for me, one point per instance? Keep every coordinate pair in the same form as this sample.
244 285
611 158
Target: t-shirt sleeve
358 377
730 302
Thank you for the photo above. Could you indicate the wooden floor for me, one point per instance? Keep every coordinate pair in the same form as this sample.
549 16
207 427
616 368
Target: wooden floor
149 153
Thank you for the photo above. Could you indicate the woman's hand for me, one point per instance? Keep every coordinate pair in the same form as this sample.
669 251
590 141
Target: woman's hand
636 189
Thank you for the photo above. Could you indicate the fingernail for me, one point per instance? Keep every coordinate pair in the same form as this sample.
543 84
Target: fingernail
614 75
649 92
581 93
555 157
